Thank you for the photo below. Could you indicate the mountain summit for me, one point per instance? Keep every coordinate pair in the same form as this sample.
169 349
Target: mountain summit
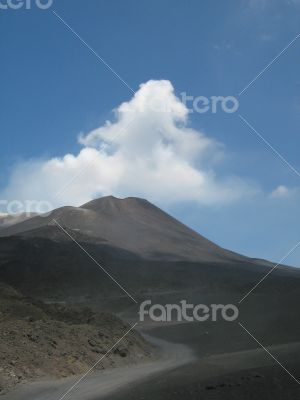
131 224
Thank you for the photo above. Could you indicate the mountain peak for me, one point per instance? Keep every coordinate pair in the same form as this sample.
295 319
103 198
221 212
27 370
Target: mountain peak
112 202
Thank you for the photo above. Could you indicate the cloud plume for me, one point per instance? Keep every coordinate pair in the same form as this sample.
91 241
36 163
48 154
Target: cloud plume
149 150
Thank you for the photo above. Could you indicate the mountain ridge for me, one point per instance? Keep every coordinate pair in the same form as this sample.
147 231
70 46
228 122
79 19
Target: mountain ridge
132 224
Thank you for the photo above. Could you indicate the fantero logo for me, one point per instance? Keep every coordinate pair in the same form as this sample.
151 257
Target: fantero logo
26 207
188 312
25 4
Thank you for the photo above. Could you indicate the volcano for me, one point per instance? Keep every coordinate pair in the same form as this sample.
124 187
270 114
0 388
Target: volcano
131 224
147 250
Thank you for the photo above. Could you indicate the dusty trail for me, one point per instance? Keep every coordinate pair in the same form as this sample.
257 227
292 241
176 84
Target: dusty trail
99 384
177 364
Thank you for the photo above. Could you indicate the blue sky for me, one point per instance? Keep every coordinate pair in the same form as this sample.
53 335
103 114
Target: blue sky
53 88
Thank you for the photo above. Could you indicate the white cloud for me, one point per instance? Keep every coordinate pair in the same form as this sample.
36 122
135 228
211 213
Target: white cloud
149 151
280 192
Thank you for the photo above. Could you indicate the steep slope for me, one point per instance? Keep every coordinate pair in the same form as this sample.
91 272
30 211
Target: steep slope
38 340
131 224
